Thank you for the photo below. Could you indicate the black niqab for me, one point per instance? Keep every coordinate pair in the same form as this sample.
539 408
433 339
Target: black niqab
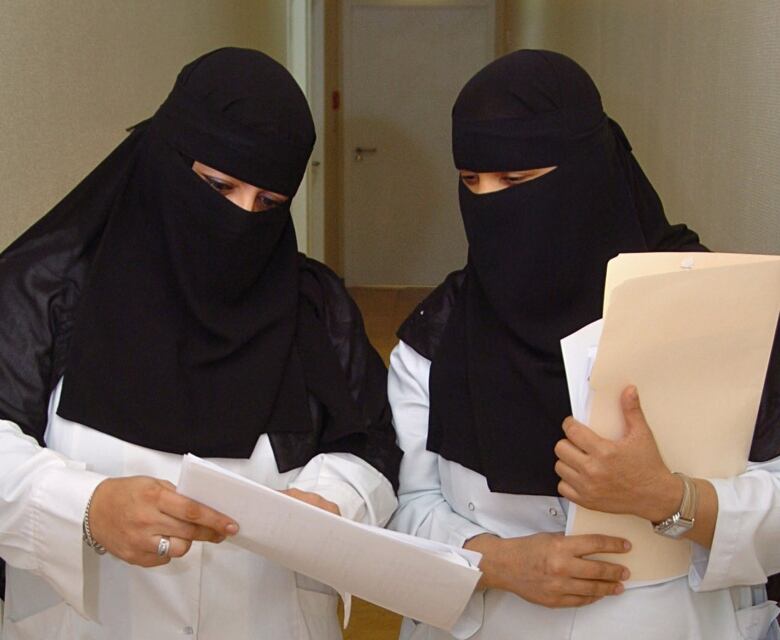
537 261
191 334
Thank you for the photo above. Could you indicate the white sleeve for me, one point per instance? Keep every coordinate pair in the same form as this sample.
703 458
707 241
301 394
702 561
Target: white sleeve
746 546
361 492
42 500
423 510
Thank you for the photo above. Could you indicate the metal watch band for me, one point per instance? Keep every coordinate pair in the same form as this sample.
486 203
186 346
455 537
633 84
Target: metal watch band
682 521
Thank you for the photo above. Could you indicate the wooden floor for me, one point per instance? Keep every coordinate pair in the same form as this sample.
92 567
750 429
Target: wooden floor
383 309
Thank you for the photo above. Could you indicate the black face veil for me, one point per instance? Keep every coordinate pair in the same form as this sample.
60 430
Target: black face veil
191 334
537 261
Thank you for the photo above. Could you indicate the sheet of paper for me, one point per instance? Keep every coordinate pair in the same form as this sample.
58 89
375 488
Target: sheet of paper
421 579
579 353
695 339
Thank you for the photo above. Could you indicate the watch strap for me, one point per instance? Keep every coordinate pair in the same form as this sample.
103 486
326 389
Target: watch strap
683 520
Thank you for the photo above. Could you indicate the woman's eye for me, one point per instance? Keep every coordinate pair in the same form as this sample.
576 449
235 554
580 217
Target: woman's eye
217 185
468 179
517 179
266 202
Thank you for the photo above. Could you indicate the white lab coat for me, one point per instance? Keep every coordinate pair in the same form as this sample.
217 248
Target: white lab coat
445 501
57 588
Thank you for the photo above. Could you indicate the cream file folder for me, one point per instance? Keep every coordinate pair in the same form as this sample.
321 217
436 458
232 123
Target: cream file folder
694 333
425 580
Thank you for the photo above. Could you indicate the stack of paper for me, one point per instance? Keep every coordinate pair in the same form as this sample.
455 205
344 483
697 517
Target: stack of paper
694 333
421 579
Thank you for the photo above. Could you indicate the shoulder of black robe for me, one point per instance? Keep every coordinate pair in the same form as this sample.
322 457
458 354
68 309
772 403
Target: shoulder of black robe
36 304
424 327
41 276
364 373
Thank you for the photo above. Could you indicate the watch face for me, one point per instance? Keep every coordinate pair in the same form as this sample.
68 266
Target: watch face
675 531
675 528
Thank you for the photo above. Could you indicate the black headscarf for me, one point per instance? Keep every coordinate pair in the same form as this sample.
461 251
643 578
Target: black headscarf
191 333
537 261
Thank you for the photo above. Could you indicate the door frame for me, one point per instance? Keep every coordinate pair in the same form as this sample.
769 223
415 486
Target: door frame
306 63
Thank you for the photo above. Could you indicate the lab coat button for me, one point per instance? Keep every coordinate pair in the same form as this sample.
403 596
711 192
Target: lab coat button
553 512
471 506
188 631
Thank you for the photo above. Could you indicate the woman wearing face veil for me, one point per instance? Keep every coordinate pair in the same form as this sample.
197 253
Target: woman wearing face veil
162 308
549 192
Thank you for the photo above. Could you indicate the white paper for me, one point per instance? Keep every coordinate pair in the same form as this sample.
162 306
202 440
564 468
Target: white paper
421 579
579 353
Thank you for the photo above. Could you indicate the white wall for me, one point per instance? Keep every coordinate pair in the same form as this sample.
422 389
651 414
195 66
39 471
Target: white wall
75 73
695 84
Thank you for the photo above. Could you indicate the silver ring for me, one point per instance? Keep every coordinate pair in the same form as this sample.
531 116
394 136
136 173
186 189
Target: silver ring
163 546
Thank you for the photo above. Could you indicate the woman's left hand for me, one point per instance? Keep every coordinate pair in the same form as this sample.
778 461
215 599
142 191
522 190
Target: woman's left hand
617 476
314 499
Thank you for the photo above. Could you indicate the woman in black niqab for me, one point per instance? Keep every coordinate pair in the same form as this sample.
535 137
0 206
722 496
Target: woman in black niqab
177 321
537 261
549 193
185 338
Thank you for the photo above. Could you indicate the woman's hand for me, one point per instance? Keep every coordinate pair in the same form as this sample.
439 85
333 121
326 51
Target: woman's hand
128 516
314 499
620 476
549 568
628 475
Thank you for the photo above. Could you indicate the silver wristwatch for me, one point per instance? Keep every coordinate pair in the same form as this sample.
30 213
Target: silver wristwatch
681 522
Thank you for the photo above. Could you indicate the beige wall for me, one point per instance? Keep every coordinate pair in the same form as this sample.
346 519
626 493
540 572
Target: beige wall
694 83
75 73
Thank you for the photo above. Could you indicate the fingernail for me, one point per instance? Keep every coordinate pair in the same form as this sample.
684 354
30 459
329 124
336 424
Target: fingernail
625 575
626 545
232 528
632 394
619 589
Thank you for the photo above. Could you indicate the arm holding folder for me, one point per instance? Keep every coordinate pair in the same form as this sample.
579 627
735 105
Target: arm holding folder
697 341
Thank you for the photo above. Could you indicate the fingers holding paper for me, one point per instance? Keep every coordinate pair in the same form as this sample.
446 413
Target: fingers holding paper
133 517
626 475
313 499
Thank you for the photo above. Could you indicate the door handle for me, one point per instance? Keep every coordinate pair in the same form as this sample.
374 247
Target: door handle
359 151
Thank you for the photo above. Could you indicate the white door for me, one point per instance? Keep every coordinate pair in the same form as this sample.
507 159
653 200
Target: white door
403 65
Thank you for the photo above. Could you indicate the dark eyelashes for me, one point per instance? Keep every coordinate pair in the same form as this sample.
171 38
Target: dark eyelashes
216 184
224 188
269 202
